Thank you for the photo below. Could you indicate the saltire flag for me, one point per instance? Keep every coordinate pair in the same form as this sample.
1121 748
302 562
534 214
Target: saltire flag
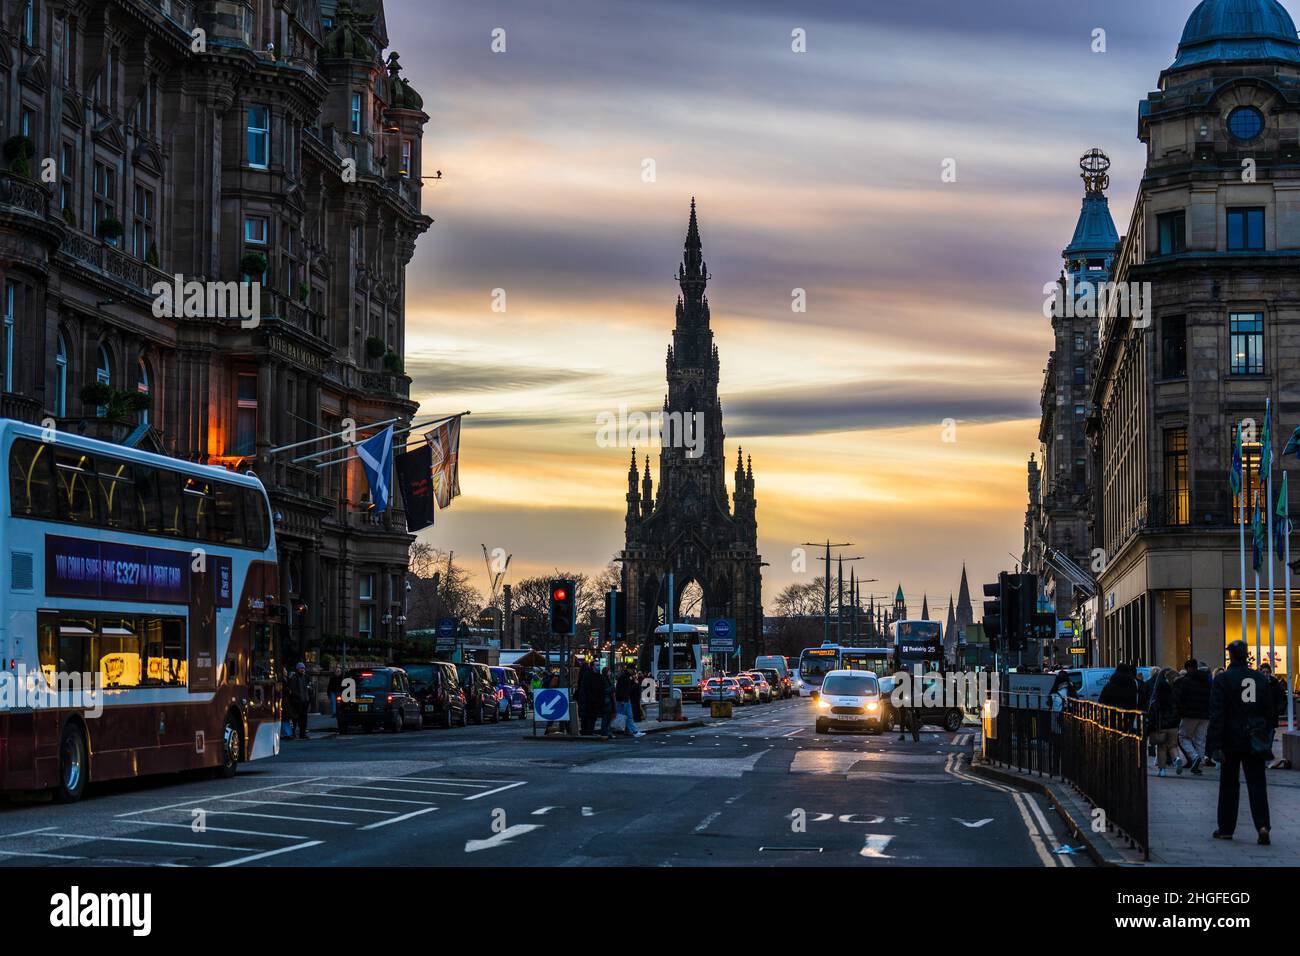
416 482
1234 473
1266 453
1292 445
1258 536
444 443
376 454
1282 526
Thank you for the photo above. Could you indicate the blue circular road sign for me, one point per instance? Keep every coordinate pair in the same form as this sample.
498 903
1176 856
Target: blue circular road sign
551 703
722 628
446 627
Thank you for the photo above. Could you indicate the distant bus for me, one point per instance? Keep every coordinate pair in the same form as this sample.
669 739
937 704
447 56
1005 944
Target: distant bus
816 662
153 575
692 662
917 642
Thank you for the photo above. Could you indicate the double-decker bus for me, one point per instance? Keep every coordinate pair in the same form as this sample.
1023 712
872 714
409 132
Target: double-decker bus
692 661
816 662
149 576
917 642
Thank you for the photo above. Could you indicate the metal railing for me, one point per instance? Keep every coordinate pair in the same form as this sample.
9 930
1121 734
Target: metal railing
1099 750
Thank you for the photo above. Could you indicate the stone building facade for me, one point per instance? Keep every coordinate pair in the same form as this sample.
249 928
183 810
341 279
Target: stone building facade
199 139
1216 231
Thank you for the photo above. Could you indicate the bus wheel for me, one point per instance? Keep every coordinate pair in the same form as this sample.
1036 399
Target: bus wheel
232 747
72 765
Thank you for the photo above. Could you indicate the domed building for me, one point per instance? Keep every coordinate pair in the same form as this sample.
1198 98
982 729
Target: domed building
1213 251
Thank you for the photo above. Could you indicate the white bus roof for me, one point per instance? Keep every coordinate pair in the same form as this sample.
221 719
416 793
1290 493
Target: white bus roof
679 628
10 426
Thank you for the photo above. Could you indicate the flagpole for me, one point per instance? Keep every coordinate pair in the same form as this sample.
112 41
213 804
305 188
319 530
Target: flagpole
1272 617
1241 495
396 432
431 423
1290 697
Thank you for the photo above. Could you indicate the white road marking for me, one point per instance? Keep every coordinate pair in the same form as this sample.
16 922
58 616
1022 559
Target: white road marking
502 838
237 793
192 846
264 855
704 824
405 816
488 793
48 856
25 832
311 806
973 824
875 845
352 796
280 816
187 826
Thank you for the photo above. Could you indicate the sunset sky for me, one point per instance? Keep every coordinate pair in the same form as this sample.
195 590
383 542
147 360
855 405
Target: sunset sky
819 171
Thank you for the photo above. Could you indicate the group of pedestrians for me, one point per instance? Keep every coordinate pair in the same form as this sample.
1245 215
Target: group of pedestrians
1196 719
616 703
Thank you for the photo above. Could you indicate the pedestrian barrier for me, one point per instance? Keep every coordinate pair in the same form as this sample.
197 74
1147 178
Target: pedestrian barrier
1098 750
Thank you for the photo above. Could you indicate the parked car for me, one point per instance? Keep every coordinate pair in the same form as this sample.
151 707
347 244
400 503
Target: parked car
480 692
436 685
944 715
748 689
850 700
512 699
383 698
780 685
765 691
720 688
774 662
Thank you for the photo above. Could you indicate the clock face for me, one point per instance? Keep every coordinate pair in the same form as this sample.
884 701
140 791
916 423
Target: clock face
1245 123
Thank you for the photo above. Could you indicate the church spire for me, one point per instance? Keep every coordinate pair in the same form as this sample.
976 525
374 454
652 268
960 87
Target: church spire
692 274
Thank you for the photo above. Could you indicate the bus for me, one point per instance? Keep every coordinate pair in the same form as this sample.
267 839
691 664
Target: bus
149 580
917 642
816 662
692 661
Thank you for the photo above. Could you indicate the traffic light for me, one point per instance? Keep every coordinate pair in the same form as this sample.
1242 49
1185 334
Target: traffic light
993 611
614 630
1019 605
564 608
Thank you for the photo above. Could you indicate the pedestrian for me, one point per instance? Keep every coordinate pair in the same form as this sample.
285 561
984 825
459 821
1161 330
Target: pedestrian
1122 689
1278 691
638 711
1062 690
286 706
908 718
300 698
1243 713
334 688
1162 722
591 691
624 692
607 703
1192 697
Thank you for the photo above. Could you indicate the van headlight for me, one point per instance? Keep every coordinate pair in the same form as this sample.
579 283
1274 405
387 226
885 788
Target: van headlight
873 707
823 703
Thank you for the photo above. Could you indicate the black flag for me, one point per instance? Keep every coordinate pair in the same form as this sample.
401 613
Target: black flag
413 475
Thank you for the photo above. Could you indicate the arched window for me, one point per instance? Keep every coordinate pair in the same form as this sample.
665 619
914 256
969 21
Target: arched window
104 375
61 378
144 386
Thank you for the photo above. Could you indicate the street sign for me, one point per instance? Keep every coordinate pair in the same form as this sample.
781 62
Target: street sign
551 703
722 635
446 628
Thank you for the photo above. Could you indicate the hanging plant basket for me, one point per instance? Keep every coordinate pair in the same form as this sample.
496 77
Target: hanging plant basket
375 347
252 265
111 230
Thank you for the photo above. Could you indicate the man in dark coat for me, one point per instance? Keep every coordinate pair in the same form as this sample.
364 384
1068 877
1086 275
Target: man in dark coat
590 699
1243 713
299 699
1122 688
1192 696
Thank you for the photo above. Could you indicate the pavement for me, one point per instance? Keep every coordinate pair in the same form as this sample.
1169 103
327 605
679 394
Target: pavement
762 789
1181 815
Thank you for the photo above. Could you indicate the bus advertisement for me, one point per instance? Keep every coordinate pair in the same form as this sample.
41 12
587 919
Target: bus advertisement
151 580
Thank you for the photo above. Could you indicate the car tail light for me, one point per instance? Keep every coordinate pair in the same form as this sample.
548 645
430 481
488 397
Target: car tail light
390 698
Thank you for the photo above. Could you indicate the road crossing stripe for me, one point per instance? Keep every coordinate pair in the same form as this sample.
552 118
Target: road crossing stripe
406 816
309 806
352 796
238 793
497 790
207 829
194 846
263 856
281 816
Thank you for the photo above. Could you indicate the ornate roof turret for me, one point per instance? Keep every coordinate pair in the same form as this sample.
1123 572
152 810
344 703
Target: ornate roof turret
1092 248
402 95
1233 30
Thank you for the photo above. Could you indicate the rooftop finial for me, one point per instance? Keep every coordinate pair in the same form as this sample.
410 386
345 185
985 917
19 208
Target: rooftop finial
1094 164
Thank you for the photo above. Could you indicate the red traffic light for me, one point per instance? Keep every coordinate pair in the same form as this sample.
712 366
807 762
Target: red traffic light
559 594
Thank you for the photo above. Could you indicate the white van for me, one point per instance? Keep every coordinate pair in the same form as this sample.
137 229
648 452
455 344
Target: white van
1088 681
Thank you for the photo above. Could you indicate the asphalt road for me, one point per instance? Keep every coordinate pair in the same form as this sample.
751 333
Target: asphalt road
763 789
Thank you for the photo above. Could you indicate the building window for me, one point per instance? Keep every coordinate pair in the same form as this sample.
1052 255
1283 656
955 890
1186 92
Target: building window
61 378
11 315
26 120
144 387
257 230
355 120
1173 232
105 197
1246 343
1080 410
259 137
142 234
29 22
366 606
1245 123
104 82
1177 503
67 174
104 375
1245 230
1173 347
246 415
1080 342
1078 375
406 158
